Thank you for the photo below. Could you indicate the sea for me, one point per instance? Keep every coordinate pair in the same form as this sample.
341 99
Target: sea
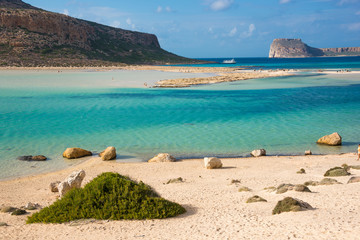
45 112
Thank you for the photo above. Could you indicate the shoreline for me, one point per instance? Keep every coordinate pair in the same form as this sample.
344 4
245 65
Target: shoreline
208 196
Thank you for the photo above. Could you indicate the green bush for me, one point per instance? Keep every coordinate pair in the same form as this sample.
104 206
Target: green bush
108 196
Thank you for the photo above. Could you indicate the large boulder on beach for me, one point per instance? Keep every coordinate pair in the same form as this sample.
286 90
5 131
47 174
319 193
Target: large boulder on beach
331 140
258 153
74 180
163 157
71 153
212 162
108 154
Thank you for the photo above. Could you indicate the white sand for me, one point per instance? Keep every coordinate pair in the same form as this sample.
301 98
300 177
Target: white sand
215 208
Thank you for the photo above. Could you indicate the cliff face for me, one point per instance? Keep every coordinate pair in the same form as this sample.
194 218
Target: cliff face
32 37
295 48
291 48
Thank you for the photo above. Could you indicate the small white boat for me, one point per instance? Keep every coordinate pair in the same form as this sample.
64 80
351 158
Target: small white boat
231 61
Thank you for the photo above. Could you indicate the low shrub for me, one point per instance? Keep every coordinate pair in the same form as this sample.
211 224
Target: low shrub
108 196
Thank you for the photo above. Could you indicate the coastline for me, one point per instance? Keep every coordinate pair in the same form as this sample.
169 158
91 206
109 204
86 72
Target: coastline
208 196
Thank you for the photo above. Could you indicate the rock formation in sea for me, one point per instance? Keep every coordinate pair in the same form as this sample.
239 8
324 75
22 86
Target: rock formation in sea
295 48
30 36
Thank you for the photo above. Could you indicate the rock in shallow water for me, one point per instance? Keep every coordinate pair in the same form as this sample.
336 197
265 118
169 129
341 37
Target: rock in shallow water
32 158
71 153
108 154
163 157
331 140
258 153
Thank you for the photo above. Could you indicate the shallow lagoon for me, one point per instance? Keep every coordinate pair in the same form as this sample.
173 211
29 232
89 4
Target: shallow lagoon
46 112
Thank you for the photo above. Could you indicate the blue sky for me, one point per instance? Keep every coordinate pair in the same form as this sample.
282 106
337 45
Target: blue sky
224 28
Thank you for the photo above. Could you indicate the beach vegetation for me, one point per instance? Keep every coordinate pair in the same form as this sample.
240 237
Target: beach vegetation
108 196
336 172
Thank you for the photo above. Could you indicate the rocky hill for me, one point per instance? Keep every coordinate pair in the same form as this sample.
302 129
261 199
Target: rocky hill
295 48
30 36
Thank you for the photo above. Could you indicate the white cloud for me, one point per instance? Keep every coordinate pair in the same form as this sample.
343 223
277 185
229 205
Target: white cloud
66 12
130 23
284 1
250 31
163 9
115 24
103 12
219 5
210 30
354 26
233 32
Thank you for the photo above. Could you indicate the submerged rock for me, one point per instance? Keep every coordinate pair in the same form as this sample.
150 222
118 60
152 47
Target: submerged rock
39 158
163 157
336 172
32 158
108 154
332 140
71 153
258 153
25 158
212 162
289 204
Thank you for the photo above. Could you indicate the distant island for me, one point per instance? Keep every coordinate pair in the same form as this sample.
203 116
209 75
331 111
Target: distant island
295 48
32 37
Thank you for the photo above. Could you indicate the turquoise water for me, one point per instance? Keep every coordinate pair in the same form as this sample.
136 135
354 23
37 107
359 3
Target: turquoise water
289 63
283 115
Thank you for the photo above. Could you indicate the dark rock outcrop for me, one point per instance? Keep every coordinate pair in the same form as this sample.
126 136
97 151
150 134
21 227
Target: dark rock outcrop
295 48
33 37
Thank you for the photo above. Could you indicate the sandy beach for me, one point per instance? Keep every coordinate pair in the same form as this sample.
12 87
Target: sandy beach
215 207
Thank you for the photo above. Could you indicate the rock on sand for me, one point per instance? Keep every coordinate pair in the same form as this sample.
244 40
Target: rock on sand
212 162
